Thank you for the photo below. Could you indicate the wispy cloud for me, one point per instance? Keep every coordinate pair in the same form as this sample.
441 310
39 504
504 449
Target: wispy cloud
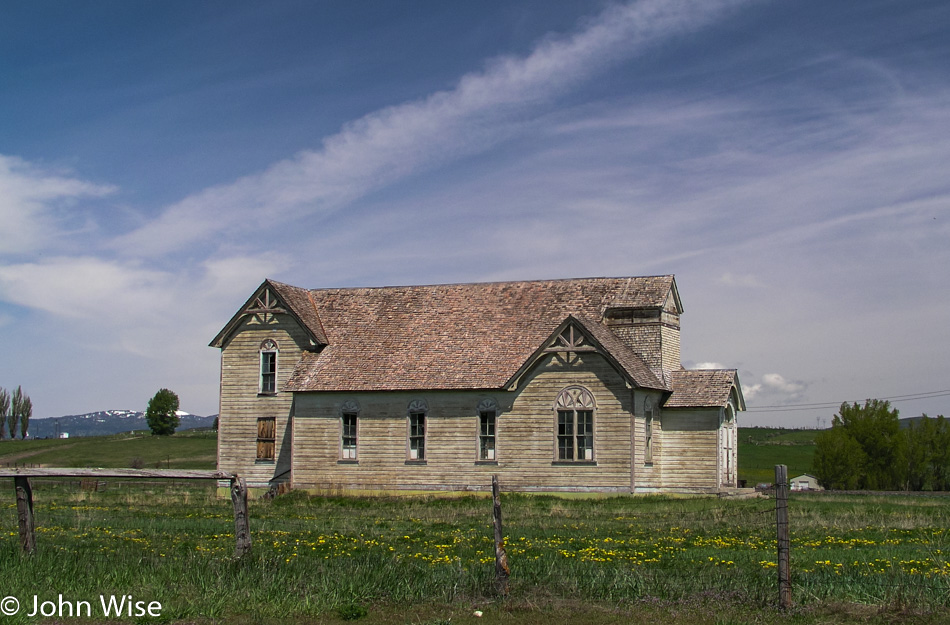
124 305
398 141
34 204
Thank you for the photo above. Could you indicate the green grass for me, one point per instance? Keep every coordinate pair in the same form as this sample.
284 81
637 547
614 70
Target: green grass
760 449
192 449
429 560
777 436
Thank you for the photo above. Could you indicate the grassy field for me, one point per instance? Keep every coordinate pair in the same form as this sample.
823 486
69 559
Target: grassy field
191 449
760 449
430 560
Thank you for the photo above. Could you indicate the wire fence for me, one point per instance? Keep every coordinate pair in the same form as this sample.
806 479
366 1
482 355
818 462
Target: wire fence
863 548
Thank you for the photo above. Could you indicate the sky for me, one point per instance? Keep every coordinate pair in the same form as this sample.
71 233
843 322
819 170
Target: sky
786 161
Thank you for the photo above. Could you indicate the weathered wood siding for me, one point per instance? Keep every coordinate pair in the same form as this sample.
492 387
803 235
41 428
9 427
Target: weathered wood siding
648 476
242 405
690 449
525 436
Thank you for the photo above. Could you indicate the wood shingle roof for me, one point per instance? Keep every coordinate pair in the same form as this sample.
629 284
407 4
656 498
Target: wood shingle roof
703 388
457 336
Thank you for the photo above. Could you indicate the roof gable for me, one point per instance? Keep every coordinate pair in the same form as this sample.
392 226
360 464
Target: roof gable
577 334
275 298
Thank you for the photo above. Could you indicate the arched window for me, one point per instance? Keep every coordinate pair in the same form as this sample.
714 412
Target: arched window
487 414
268 377
418 409
349 427
575 425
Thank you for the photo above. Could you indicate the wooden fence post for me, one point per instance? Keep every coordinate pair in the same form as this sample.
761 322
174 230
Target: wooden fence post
782 535
242 532
502 573
24 509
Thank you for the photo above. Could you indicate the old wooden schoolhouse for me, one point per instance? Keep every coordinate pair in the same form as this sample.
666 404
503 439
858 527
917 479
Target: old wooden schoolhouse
554 385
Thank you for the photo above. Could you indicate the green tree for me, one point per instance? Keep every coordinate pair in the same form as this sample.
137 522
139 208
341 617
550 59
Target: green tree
839 461
161 413
921 442
4 412
940 468
16 409
25 414
875 426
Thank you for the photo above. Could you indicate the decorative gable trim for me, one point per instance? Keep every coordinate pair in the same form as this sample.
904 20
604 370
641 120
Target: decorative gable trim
265 304
577 335
571 339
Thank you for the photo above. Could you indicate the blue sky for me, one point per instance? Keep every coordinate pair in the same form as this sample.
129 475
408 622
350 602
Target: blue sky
787 161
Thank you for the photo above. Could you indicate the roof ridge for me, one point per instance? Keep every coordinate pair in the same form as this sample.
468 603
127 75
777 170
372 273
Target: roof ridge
628 284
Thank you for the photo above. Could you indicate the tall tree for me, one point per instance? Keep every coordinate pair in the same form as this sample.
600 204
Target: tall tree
875 426
162 413
940 471
16 408
4 412
839 462
25 414
921 445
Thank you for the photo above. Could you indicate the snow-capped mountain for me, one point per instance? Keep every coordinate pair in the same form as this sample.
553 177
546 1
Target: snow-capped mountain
107 422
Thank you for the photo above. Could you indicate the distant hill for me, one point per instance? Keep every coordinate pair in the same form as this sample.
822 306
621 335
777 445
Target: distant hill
107 422
905 422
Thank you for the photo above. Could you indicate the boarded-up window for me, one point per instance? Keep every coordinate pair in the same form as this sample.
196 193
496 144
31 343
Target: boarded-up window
266 438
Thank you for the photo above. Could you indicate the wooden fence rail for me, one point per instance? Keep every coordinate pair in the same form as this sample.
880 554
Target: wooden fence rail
24 495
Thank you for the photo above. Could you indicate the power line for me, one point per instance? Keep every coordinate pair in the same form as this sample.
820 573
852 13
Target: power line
824 405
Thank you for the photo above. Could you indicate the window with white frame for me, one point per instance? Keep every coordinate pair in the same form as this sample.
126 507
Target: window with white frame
487 415
418 409
575 425
268 377
349 427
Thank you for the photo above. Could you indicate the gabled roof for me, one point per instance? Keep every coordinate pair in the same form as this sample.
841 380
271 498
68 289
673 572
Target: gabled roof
459 336
289 300
606 343
302 307
704 388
